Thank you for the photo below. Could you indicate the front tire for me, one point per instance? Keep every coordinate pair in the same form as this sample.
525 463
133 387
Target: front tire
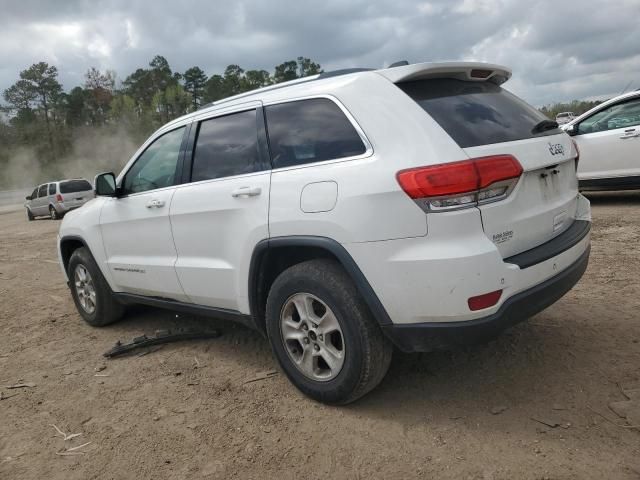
323 335
30 216
91 293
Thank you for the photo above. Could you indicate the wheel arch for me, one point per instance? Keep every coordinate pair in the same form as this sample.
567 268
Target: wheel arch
69 244
272 256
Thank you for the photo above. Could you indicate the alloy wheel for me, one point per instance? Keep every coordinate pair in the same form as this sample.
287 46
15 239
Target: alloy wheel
312 337
85 289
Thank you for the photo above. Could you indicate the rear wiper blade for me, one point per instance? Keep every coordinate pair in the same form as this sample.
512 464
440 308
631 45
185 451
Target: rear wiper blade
544 125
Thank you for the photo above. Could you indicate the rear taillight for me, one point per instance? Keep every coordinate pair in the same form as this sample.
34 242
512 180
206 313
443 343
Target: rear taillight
59 198
461 184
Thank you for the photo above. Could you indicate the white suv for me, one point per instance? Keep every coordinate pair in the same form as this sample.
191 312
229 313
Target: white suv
420 206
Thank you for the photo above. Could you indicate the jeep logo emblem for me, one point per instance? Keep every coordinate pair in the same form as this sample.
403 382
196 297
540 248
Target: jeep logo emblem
556 149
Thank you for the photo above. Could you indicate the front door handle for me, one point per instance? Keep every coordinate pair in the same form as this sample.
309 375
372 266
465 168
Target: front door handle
246 192
155 204
631 133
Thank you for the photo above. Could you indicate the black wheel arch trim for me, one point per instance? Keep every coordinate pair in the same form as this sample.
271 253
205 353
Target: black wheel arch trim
324 243
74 238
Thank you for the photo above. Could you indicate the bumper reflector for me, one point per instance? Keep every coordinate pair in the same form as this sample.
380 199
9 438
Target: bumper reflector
484 301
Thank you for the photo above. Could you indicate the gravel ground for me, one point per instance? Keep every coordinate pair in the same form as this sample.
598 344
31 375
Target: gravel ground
539 402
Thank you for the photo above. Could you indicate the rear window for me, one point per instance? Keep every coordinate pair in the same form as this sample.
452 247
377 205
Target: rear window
307 131
73 186
475 113
52 189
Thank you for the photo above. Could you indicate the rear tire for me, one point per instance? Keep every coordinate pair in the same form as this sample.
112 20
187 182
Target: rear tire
90 291
53 213
30 216
314 311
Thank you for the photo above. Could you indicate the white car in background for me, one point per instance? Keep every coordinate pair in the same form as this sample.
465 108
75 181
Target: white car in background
608 139
564 117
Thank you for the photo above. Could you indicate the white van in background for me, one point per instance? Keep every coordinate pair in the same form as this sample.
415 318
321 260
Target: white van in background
54 199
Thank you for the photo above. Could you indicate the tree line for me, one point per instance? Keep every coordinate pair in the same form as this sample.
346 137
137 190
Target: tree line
42 123
578 107
43 118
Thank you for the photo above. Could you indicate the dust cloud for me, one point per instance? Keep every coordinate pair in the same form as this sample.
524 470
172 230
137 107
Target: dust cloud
92 151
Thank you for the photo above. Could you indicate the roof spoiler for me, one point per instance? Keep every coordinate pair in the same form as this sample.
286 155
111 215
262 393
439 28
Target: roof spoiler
469 71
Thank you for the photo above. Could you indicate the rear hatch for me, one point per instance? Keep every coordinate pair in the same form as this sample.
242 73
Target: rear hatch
486 120
75 192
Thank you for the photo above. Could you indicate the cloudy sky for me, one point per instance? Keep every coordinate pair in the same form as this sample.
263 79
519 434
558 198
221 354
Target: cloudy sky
558 50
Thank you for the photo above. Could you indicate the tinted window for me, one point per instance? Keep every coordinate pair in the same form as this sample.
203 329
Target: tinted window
476 113
52 189
156 167
226 146
621 115
42 191
34 194
73 186
308 131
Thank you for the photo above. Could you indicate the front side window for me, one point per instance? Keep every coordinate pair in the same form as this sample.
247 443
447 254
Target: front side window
156 167
42 191
306 131
52 189
34 194
226 146
621 115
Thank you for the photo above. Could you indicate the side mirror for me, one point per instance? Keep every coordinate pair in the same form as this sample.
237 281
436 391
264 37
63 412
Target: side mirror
571 130
105 184
28 197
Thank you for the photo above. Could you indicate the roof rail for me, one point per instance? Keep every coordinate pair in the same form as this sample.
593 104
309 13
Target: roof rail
400 63
343 71
268 88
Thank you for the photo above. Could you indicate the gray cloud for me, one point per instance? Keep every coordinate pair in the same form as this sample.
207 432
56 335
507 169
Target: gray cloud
558 50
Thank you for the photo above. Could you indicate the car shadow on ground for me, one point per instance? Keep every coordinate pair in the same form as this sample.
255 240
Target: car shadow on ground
511 371
140 319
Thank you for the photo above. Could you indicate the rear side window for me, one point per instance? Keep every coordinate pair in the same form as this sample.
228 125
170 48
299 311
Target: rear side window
307 131
73 186
52 189
42 191
476 113
226 146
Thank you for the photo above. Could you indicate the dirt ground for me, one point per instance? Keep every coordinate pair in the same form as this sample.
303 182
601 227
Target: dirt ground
187 411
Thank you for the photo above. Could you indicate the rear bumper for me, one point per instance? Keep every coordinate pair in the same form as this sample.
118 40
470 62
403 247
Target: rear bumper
424 337
61 208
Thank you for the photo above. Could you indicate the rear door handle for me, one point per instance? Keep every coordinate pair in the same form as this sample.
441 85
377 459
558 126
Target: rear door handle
630 134
155 204
246 192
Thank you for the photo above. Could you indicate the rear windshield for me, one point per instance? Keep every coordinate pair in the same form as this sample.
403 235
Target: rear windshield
475 113
73 186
